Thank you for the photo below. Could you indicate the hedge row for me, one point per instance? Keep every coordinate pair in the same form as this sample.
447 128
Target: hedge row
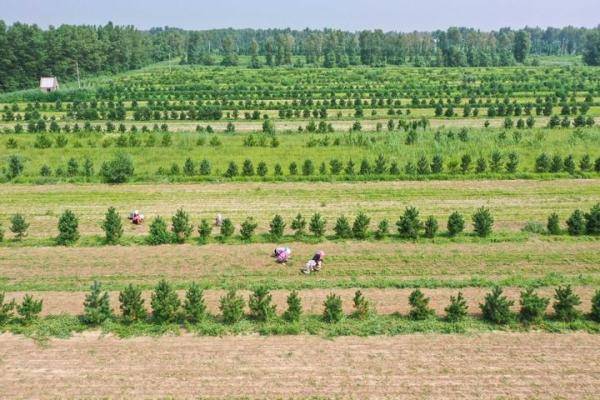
167 307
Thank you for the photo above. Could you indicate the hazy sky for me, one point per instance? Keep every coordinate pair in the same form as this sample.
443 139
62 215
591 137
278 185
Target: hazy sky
400 15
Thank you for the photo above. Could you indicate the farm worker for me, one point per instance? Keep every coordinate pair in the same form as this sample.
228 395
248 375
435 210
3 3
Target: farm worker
219 220
318 259
282 254
136 218
310 266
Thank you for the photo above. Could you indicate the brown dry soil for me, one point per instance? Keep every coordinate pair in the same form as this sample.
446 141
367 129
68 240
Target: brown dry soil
384 301
428 366
512 202
67 268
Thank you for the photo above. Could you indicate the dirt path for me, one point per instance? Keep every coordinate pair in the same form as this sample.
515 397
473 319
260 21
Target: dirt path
385 301
532 365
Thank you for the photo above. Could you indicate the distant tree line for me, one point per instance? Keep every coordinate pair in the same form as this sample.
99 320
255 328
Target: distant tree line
28 52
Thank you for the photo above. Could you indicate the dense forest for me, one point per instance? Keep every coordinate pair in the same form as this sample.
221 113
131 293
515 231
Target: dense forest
28 52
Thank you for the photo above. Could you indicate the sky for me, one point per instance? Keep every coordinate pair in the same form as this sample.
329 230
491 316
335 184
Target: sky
397 15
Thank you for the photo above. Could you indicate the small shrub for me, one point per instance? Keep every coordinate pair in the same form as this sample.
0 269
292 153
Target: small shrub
112 226
409 224
204 230
232 307
431 227
247 228
194 307
261 305
534 227
18 226
419 306
165 303
227 228
158 233
533 307
232 170
15 166
29 309
496 307
317 225
576 223
118 170
96 307
276 227
566 301
592 221
382 229
6 309
456 224
68 228
299 225
457 309
181 226
362 307
553 225
483 222
342 228
132 304
333 311
294 310
360 227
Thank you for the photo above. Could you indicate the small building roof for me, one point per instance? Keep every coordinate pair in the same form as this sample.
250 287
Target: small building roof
48 82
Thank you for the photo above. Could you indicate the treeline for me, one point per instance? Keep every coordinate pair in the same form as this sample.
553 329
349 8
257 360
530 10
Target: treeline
28 52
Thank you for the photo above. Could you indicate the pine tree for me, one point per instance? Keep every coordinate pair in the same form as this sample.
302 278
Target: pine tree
247 228
553 225
333 311
112 226
261 305
68 228
204 230
409 224
227 228
317 225
566 301
294 310
362 307
232 307
576 223
533 307
277 227
18 226
342 228
419 306
299 225
29 309
165 303
193 306
96 307
181 226
595 314
6 309
456 223
360 226
431 227
496 307
457 309
483 222
158 232
132 304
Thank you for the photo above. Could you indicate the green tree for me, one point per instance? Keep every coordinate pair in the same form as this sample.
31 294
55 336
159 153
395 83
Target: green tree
382 229
112 226
204 230
409 224
522 44
118 170
553 224
591 51
496 307
431 227
317 225
158 233
457 309
68 228
362 306
333 311
276 227
247 228
165 303
456 224
566 301
232 307
483 222
261 305
194 307
29 309
6 309
18 226
576 223
360 227
533 307
595 314
227 228
181 226
342 228
131 304
419 306
592 220
96 307
294 307
15 166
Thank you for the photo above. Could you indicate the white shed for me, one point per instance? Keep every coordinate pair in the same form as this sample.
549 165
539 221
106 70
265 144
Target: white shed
48 83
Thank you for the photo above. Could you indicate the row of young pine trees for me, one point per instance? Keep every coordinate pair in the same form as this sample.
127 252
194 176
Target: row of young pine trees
409 226
168 308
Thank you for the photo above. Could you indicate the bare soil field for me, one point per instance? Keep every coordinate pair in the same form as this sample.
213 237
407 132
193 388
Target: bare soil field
384 301
486 366
72 268
513 202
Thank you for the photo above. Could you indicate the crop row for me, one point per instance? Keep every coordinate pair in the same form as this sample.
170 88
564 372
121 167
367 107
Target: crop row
167 307
409 226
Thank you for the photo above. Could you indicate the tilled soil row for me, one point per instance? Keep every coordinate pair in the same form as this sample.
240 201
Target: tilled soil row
432 366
